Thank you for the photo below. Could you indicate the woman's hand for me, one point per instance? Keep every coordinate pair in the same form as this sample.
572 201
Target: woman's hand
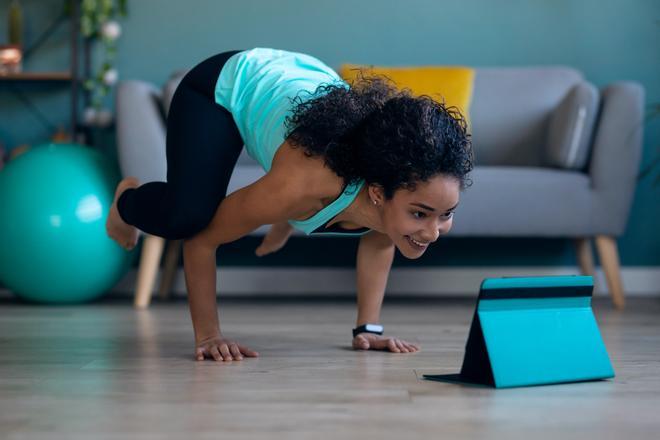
275 239
221 349
372 341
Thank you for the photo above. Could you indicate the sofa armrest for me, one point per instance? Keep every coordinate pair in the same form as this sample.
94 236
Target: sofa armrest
140 131
616 155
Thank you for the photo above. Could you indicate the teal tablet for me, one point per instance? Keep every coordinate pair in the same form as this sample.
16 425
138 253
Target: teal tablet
533 331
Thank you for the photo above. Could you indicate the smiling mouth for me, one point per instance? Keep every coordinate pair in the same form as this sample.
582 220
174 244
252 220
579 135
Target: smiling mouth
416 244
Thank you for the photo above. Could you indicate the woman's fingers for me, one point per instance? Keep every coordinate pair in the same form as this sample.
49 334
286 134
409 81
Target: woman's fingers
247 352
215 353
224 351
233 348
391 344
221 349
361 342
401 347
408 346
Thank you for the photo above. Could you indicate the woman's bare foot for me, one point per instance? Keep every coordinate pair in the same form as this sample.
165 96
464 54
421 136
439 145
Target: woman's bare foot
275 239
121 232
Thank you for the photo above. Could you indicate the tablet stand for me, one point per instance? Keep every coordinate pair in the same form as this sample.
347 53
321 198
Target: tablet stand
533 331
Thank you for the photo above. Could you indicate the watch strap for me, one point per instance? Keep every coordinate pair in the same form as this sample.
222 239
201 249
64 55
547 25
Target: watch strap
368 328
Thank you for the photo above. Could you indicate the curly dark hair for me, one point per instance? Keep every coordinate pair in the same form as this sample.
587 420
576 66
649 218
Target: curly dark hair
371 130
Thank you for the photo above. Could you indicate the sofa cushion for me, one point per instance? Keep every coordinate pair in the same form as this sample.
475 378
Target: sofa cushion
571 128
525 202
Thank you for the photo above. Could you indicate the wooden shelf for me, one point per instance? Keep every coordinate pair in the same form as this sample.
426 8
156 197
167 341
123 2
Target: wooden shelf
37 76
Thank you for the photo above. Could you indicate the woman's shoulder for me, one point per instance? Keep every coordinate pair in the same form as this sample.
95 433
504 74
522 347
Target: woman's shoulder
310 174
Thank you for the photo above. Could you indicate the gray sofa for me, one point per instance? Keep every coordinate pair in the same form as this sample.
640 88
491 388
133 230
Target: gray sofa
555 157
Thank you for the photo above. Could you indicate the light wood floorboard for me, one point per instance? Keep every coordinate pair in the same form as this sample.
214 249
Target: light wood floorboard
107 371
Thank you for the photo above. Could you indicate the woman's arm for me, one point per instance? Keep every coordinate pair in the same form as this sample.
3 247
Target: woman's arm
199 265
274 198
271 199
374 261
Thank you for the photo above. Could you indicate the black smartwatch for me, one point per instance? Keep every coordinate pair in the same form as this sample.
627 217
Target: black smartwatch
368 328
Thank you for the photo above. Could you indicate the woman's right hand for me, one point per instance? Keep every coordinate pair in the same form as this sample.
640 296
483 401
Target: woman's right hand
221 349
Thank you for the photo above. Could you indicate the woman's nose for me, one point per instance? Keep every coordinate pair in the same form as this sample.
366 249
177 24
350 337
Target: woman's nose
439 230
432 235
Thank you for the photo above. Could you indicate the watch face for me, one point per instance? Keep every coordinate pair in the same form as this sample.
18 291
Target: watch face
374 328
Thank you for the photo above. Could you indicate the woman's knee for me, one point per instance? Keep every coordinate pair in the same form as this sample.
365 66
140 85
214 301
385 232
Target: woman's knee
187 222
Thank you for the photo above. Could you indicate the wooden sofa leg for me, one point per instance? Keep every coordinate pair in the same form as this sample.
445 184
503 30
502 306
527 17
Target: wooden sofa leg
609 261
585 255
170 266
152 251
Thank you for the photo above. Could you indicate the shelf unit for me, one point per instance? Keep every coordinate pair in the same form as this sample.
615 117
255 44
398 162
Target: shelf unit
37 76
73 76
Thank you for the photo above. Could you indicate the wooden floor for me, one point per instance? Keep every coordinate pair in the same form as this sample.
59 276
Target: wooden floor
105 371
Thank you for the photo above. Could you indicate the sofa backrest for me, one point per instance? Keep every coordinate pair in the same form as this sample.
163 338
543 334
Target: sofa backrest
510 113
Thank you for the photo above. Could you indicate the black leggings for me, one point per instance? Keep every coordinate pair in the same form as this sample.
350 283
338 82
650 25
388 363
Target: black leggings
203 145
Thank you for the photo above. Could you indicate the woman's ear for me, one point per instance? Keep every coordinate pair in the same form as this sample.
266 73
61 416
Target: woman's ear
376 194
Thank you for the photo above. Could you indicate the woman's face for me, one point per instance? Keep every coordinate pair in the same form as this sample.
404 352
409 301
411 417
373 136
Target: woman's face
421 215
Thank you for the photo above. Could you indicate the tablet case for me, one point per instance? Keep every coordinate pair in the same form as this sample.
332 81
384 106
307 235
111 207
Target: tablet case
533 331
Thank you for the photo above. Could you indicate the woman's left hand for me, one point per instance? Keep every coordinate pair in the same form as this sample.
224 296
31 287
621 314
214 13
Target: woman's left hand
372 341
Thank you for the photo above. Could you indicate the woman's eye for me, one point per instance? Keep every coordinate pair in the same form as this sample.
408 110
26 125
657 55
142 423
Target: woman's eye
422 214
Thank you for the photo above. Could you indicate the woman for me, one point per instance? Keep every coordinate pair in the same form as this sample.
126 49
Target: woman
362 159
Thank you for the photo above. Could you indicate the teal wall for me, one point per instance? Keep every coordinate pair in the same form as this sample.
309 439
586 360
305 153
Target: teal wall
608 40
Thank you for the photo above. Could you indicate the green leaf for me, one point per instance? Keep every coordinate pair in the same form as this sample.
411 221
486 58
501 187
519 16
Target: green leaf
86 26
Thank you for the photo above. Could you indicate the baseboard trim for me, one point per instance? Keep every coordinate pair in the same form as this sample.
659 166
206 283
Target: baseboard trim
459 281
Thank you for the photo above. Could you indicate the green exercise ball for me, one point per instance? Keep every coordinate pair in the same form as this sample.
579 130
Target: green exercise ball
54 200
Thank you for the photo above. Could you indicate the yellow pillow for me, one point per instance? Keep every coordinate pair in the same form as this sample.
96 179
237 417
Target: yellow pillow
454 83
